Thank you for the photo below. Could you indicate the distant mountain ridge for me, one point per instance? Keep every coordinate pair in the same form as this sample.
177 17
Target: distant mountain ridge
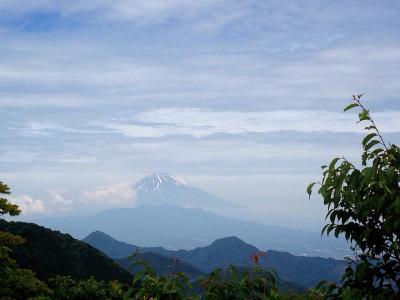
304 271
182 228
123 252
109 246
162 188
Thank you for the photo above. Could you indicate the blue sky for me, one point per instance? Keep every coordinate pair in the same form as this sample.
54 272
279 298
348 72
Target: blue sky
241 98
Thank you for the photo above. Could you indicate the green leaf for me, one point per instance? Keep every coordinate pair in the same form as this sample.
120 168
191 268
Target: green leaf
350 106
371 144
333 163
368 137
337 231
363 116
309 189
376 151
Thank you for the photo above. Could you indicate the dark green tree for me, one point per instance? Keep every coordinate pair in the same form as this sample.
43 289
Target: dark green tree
15 283
5 206
7 240
66 288
364 206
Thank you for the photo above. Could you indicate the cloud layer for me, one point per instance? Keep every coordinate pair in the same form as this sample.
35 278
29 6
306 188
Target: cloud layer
29 205
121 194
199 123
96 94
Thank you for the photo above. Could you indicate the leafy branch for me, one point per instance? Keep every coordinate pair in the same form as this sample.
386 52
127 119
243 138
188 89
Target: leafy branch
364 115
364 206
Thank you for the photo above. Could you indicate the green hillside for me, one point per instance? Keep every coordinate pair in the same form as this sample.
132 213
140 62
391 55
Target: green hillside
49 253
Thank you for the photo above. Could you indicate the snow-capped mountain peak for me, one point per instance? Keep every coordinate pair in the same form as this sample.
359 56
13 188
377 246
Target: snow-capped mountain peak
155 182
161 188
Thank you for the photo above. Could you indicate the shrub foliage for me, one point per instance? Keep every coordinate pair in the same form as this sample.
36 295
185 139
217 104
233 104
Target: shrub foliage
364 206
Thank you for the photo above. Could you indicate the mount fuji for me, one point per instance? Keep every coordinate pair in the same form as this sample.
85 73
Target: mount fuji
175 215
159 189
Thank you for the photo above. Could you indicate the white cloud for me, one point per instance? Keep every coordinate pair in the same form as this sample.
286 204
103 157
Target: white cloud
75 72
39 128
77 159
15 156
55 202
30 205
43 99
241 156
111 195
58 198
200 123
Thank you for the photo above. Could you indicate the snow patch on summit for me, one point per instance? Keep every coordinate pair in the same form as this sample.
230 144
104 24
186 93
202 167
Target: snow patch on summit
161 188
155 182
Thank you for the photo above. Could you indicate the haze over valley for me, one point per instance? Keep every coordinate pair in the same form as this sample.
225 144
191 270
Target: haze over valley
173 214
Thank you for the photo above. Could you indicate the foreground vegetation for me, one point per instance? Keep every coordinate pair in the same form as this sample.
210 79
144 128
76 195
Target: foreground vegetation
363 205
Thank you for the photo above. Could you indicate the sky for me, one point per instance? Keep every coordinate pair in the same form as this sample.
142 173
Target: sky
243 99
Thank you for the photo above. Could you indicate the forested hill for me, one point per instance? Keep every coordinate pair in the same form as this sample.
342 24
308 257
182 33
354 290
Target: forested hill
161 264
49 253
120 251
304 271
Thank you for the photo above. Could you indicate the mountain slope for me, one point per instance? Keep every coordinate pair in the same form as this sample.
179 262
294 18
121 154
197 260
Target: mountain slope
120 251
109 246
309 270
49 253
158 189
219 254
161 264
182 228
305 271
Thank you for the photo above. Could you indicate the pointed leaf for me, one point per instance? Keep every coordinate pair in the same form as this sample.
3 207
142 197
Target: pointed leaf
350 106
370 145
376 151
368 137
309 189
333 163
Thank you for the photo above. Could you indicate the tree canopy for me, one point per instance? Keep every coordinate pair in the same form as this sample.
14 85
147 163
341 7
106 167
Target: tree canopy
5 206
